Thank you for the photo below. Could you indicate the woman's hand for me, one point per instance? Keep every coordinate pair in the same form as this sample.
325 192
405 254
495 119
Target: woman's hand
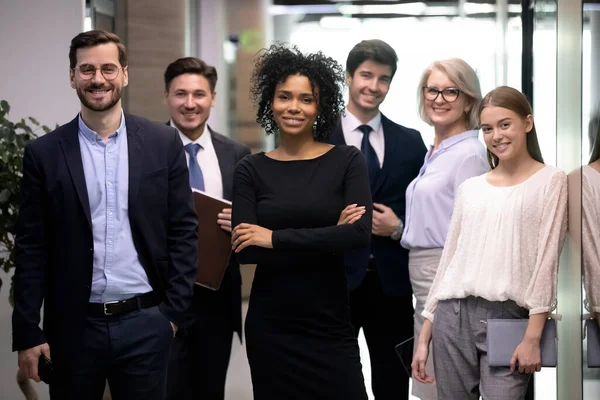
419 362
351 214
245 235
528 356
422 354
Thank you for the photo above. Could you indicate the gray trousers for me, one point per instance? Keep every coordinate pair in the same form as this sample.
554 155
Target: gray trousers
460 351
422 266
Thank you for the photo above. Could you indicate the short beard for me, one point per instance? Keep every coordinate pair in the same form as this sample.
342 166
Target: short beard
116 96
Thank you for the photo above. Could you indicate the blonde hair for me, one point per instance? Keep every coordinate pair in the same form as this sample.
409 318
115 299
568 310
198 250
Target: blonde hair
466 80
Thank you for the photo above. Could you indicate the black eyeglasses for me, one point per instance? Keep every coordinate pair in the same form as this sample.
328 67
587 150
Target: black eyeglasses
109 71
449 94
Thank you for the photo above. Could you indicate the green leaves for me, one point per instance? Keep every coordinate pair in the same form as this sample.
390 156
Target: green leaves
14 136
4 108
4 196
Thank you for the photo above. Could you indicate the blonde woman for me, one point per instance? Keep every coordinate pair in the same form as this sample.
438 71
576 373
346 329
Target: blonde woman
500 260
449 97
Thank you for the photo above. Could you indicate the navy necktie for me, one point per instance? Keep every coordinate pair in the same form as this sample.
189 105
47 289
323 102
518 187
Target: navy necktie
370 155
196 177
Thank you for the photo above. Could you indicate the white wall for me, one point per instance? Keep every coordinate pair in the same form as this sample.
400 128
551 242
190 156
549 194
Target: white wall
34 48
34 42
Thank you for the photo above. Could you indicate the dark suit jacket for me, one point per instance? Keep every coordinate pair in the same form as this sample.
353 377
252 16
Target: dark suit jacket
402 160
229 152
54 235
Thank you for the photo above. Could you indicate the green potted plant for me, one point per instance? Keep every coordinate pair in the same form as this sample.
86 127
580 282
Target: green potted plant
13 138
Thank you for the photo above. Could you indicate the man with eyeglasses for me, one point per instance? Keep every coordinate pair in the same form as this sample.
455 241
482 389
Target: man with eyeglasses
380 292
106 239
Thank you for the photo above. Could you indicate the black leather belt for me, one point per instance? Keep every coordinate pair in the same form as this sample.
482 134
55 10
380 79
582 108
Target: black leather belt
123 306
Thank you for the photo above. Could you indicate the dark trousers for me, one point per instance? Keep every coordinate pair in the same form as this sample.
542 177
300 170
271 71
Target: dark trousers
530 389
199 361
386 322
131 350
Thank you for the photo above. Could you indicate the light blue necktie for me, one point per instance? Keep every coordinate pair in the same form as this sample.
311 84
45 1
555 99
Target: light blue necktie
196 177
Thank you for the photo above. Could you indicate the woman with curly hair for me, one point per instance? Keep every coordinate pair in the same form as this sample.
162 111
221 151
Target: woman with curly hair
294 217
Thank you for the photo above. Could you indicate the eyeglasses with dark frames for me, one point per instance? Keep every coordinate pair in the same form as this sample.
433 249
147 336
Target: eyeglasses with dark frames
450 95
109 71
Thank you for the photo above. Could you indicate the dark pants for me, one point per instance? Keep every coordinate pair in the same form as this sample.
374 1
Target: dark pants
131 350
386 322
199 360
530 389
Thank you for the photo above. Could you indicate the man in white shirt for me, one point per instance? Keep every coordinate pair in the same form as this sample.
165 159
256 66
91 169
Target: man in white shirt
199 360
380 291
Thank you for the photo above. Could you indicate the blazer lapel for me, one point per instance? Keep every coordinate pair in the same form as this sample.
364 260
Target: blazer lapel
72 153
226 163
390 139
337 136
135 144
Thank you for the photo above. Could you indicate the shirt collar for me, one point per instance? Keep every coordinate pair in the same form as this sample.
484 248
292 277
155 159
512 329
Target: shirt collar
92 136
451 141
204 140
351 122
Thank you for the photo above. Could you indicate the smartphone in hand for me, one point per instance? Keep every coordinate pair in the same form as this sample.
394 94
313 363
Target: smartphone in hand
404 351
45 369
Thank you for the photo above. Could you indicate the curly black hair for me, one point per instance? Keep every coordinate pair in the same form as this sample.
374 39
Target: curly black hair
276 64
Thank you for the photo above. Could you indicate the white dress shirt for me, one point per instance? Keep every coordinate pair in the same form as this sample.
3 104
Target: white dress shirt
354 136
208 161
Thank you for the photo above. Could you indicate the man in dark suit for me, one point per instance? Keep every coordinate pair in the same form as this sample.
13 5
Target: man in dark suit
106 239
199 360
380 291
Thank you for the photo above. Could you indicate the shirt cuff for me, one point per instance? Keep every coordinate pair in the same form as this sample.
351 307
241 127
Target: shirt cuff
540 310
427 315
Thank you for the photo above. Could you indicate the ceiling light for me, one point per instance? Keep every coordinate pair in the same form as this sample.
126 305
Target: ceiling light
406 8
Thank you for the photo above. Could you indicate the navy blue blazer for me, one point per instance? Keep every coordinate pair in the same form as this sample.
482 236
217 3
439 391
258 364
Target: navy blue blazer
54 236
229 153
402 160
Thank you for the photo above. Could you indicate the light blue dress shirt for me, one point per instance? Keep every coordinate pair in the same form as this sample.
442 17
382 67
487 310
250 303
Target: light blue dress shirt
430 196
117 271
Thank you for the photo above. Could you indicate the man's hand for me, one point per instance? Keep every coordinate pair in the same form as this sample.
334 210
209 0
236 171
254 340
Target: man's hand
385 220
245 235
29 359
351 214
224 219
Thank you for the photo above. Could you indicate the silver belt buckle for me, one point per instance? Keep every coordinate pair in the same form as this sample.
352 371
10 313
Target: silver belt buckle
107 304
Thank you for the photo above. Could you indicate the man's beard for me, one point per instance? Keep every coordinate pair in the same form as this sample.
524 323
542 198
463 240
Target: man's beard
116 96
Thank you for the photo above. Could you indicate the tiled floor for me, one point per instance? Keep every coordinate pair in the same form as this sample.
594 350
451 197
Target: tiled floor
238 382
